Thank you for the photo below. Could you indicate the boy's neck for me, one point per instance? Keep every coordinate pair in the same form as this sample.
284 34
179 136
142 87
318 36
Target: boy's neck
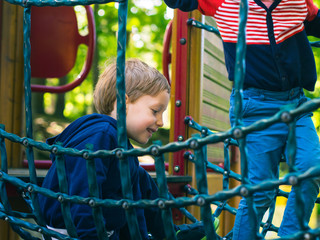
267 2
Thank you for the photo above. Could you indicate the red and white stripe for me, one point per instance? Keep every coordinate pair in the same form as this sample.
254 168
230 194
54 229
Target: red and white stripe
288 18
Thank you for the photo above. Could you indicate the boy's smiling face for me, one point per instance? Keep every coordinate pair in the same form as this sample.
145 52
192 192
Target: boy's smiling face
144 116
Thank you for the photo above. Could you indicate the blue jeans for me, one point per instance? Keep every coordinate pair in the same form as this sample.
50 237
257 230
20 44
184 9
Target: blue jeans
264 150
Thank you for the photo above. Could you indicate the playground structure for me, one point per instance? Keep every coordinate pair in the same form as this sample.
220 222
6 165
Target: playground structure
209 110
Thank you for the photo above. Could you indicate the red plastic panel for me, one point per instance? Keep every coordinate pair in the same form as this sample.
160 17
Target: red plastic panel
54 44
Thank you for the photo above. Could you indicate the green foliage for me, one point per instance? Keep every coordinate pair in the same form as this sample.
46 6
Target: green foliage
145 28
316 92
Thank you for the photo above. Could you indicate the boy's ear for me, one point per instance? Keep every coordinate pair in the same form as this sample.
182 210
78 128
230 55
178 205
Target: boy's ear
127 101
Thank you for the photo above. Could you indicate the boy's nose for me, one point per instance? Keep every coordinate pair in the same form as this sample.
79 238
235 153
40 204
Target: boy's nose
159 121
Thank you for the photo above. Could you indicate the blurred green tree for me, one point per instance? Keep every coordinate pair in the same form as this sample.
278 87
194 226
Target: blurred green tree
145 30
316 92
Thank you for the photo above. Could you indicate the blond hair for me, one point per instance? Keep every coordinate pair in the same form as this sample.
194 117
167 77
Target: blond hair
141 79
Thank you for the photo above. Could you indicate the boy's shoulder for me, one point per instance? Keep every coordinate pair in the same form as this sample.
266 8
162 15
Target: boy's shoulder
92 126
96 123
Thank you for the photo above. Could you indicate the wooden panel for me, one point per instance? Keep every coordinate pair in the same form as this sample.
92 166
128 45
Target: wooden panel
214 123
214 50
215 71
215 111
210 21
194 92
11 87
208 103
11 77
209 92
215 153
212 97
216 89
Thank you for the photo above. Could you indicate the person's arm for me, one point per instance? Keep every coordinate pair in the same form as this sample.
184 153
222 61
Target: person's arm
312 23
206 7
183 5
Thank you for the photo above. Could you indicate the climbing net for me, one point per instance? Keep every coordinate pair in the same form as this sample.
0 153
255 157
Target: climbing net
165 202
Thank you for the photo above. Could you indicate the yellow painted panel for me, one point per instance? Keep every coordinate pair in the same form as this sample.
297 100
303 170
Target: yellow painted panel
213 100
214 124
11 87
215 76
216 89
11 77
210 21
215 153
215 63
216 113
215 50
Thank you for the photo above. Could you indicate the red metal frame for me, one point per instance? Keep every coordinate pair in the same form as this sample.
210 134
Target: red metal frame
60 59
46 164
181 87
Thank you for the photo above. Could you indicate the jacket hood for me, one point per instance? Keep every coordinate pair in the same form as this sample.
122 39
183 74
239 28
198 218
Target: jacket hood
82 128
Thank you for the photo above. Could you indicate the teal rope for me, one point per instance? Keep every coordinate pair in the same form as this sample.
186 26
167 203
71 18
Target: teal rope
163 193
291 153
3 151
56 3
201 179
28 111
121 121
200 25
3 193
164 202
223 205
240 61
63 185
185 212
315 44
36 228
179 202
94 192
309 106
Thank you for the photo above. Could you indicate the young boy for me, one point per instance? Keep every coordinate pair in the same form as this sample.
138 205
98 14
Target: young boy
279 64
147 97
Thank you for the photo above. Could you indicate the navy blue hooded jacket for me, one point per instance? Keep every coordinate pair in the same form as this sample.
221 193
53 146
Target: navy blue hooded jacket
100 131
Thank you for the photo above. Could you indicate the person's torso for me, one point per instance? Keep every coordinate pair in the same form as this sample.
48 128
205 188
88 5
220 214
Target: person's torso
278 53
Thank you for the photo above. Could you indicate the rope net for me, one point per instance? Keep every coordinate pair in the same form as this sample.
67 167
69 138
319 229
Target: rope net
234 136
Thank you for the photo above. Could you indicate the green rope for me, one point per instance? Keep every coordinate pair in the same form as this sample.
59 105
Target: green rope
201 177
165 201
63 185
56 3
200 25
163 193
121 122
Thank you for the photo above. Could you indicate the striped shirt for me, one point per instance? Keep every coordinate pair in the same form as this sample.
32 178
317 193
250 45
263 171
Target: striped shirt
288 20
